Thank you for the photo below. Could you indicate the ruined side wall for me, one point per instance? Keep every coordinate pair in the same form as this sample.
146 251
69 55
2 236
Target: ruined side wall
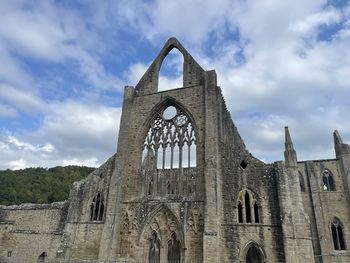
28 230
322 206
82 235
259 179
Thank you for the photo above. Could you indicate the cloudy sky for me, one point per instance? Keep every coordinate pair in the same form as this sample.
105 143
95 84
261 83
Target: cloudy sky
64 66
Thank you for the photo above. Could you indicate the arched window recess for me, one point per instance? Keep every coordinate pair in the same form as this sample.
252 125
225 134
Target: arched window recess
247 208
97 208
337 232
328 181
254 254
170 142
42 258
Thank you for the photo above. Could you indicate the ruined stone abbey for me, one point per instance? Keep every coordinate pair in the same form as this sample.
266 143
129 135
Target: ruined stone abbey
183 188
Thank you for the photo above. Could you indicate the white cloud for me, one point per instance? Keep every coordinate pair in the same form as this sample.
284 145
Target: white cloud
70 133
312 22
20 98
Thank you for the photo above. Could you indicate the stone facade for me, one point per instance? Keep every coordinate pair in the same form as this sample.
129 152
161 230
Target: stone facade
182 187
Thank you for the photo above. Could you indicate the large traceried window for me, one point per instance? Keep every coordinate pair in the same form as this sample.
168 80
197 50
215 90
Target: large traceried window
171 139
337 235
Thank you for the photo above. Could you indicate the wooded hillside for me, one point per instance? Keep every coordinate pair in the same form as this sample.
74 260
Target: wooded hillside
39 185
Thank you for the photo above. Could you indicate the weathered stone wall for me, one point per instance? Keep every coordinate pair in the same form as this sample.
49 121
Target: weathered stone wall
28 230
323 206
82 234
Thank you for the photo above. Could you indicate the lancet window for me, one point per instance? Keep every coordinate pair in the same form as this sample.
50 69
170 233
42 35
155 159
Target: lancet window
171 139
254 255
247 208
328 181
174 250
337 235
97 208
42 258
154 249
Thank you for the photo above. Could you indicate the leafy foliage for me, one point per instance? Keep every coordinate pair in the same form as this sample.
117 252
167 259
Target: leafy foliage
39 185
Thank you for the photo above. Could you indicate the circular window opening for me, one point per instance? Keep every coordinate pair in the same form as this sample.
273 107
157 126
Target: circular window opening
169 113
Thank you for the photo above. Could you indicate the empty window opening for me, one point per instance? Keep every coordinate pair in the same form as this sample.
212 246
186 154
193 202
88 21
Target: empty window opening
302 183
254 255
150 186
247 208
240 215
154 249
174 250
42 258
171 71
328 181
256 213
9 253
244 164
97 208
170 142
337 235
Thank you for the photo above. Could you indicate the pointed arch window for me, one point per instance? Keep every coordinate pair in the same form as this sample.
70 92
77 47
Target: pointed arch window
171 140
154 249
171 71
337 235
42 258
254 255
174 250
247 208
328 181
97 208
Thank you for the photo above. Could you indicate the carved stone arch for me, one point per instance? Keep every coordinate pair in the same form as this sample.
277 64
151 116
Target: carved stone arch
252 244
157 113
193 74
248 207
158 109
328 180
157 211
337 234
164 223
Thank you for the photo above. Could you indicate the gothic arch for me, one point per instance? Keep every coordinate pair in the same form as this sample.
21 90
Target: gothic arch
193 74
248 207
252 250
337 234
171 215
157 113
163 224
328 181
158 108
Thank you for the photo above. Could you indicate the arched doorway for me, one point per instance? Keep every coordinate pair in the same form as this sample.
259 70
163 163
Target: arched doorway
254 255
162 238
42 258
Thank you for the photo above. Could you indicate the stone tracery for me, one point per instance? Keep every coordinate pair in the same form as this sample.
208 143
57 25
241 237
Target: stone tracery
172 139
